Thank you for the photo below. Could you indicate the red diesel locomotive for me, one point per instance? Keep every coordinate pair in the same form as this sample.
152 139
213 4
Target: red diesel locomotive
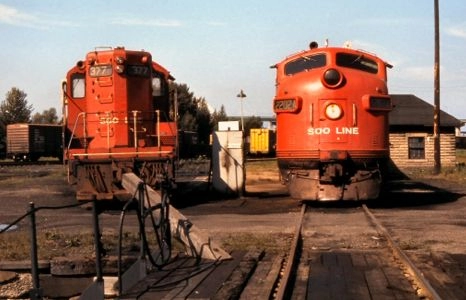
119 116
332 107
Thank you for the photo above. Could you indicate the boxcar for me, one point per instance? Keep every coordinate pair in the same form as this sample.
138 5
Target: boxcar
29 142
262 142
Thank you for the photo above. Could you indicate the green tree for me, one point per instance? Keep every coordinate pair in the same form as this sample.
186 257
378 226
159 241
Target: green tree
251 122
46 117
186 104
193 113
187 122
204 124
15 107
218 116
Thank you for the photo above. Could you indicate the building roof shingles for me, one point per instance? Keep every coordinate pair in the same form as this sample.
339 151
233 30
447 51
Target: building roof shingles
411 110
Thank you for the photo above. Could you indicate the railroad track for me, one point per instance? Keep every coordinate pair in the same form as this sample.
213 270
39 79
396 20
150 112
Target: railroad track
7 163
314 271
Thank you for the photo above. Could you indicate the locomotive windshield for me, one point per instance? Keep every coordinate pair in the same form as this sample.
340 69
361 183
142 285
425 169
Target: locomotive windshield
305 63
358 62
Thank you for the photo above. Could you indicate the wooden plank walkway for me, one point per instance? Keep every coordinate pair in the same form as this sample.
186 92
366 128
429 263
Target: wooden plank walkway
352 274
186 277
356 275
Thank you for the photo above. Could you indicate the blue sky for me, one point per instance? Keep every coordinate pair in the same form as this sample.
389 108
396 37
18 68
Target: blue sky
219 47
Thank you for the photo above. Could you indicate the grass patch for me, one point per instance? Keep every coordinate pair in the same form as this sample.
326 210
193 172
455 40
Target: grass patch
29 174
417 245
409 245
258 166
262 170
455 174
16 246
461 156
52 243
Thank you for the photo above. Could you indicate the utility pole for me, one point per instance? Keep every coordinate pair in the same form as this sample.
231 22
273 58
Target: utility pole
437 156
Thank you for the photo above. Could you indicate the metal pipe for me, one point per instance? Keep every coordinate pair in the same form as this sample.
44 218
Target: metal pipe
158 128
135 128
108 131
74 128
142 199
35 292
121 153
175 118
97 242
85 131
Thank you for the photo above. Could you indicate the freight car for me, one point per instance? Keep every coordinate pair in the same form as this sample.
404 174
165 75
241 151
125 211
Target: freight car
332 107
29 142
262 142
120 116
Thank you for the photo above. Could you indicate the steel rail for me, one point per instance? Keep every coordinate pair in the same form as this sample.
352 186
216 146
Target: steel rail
426 288
284 280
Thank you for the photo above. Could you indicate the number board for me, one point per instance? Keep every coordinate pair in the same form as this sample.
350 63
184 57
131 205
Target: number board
285 105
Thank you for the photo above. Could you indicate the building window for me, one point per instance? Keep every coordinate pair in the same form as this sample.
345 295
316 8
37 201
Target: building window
416 148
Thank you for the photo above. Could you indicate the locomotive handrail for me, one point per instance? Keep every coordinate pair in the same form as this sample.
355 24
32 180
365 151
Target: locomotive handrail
74 128
158 128
135 129
135 113
121 153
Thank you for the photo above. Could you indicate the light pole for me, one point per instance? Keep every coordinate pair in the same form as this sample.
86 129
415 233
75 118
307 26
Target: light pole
241 95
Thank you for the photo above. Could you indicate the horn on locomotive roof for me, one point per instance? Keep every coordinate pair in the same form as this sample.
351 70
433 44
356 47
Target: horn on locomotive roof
313 45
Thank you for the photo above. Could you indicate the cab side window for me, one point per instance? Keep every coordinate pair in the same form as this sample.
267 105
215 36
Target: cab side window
156 87
78 85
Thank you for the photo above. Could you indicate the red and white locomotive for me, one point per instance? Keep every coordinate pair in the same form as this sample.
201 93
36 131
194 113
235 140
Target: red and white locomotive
332 107
119 116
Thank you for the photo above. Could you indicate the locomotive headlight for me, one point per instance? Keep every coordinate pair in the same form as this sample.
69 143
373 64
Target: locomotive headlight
120 69
333 111
119 60
332 78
